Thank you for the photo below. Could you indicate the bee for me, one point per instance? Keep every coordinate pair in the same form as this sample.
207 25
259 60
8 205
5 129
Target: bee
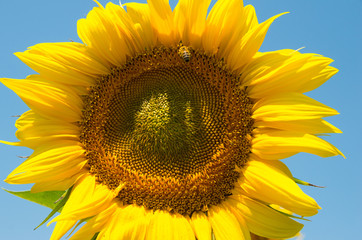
184 53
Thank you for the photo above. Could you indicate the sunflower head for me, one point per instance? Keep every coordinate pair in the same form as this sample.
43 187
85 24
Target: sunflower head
171 123
169 119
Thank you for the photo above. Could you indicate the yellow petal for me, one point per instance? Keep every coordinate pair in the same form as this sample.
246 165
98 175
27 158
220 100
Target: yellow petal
224 224
164 225
251 18
73 55
201 226
40 130
97 223
225 26
242 20
62 228
50 163
88 198
249 44
44 97
274 144
126 28
129 222
140 13
233 22
59 185
107 37
57 61
289 107
184 229
268 182
263 220
286 70
189 21
26 118
311 126
162 21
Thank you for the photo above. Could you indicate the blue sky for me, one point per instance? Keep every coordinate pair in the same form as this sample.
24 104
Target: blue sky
327 27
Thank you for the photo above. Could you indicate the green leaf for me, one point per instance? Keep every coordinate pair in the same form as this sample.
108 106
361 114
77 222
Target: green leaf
95 236
78 224
62 200
47 199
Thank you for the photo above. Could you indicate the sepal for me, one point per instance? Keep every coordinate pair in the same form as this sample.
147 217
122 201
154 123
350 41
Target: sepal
60 202
301 182
47 199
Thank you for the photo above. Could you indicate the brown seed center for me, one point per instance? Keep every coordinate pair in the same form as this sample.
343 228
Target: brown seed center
171 129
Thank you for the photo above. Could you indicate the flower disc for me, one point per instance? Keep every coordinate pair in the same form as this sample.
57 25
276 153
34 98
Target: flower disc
166 128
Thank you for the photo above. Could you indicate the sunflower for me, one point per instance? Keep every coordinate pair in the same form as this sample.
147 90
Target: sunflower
169 124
